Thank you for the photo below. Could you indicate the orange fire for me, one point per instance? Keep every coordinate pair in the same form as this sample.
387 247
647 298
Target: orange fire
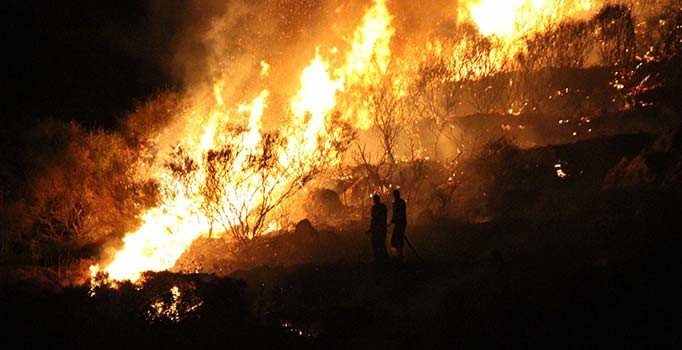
511 19
169 229
505 23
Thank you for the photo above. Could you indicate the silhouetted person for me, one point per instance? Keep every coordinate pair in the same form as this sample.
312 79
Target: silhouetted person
378 229
399 221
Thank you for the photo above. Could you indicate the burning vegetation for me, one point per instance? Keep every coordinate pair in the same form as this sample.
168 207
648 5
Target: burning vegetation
225 169
297 112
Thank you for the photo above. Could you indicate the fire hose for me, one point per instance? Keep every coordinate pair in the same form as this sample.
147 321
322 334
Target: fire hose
409 244
407 240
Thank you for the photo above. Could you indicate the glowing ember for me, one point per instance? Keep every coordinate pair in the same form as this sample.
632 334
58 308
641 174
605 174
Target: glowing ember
560 173
173 308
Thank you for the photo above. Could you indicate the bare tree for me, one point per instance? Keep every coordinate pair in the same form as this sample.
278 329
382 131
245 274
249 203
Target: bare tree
414 171
435 96
571 43
616 34
468 142
484 73
534 74
546 61
241 200
386 110
379 171
241 187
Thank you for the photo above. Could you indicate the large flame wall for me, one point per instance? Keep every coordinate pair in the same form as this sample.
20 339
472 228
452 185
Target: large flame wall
248 97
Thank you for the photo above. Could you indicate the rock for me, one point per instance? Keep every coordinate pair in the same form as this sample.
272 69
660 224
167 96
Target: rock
305 228
324 204
628 173
658 164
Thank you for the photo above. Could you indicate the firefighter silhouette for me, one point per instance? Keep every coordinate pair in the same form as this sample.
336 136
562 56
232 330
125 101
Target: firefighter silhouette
378 228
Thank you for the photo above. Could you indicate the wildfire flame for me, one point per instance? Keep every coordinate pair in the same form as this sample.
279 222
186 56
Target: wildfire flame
167 231
511 19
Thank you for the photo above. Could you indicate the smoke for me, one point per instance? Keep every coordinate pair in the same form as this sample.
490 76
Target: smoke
207 39
227 40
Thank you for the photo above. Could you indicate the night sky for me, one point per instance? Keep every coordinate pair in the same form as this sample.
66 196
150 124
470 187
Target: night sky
91 61
83 60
